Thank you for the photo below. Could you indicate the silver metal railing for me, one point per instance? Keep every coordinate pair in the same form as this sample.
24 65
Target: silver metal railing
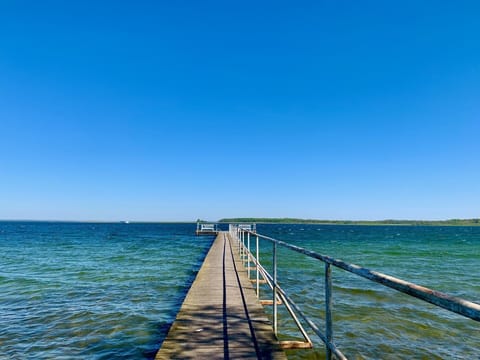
206 228
242 236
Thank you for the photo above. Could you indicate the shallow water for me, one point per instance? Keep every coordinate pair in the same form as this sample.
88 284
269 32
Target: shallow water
97 291
374 322
110 291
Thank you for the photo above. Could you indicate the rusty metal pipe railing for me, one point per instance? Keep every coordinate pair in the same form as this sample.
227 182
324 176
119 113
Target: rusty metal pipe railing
282 297
451 303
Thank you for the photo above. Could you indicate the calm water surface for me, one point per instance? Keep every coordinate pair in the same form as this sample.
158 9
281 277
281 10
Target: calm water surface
110 291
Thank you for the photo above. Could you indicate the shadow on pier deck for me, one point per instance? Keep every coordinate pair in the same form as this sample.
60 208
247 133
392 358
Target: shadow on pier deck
221 317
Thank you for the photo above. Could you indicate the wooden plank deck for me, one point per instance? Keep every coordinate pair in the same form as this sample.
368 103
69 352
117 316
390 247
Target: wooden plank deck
221 317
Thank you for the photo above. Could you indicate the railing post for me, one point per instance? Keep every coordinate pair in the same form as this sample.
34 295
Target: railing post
248 255
257 254
328 309
275 323
243 244
236 238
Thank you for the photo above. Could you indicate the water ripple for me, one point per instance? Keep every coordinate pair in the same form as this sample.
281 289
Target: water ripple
103 292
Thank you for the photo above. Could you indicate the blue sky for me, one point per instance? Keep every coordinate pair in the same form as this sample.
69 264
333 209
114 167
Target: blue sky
159 111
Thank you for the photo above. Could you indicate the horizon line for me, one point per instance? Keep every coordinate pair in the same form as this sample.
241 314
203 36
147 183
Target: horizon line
261 219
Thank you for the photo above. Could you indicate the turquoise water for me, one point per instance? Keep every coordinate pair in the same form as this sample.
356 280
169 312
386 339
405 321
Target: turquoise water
110 291
374 322
92 291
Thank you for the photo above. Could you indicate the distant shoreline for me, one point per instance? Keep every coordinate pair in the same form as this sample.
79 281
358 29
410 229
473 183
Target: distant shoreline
96 221
388 222
450 222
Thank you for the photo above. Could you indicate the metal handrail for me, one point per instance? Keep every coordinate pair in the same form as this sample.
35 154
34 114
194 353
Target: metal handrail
283 297
279 295
451 303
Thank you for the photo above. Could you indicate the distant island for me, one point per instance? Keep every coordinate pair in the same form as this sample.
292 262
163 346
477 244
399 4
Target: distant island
450 222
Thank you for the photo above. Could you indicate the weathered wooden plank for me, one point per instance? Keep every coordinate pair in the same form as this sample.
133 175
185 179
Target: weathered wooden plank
289 345
270 302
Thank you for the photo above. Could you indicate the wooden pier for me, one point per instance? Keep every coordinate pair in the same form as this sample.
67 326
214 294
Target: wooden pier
221 317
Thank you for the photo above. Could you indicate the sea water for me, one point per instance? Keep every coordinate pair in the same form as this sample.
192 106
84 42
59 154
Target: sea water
92 291
371 321
111 291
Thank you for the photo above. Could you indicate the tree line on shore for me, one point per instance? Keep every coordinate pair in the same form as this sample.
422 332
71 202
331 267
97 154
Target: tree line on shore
451 222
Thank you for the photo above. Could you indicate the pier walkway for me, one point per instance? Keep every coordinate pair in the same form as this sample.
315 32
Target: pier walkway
221 317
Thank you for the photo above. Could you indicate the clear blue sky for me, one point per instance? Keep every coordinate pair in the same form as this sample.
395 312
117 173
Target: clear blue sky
178 110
